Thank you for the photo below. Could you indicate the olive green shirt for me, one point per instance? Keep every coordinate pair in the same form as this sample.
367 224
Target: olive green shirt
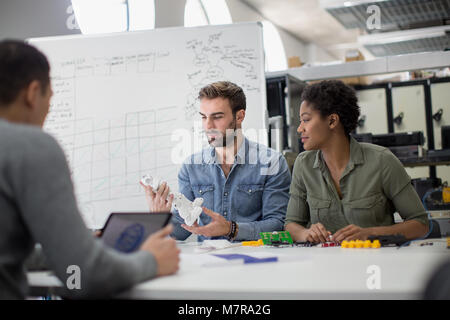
374 185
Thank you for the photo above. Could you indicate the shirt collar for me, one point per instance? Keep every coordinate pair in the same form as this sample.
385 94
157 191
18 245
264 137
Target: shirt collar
242 151
318 159
209 155
356 155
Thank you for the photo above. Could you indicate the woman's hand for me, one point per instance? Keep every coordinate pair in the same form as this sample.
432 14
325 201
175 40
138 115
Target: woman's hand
316 233
352 232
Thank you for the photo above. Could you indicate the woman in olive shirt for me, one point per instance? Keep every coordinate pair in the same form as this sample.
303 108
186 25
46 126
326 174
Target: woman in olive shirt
342 189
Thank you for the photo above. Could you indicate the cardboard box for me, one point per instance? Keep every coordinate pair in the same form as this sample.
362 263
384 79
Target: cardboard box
351 81
356 80
294 62
353 55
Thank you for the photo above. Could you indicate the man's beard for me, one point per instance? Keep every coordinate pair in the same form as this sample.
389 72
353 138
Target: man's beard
223 139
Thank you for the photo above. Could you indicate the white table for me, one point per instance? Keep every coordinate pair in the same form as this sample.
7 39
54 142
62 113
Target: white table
318 273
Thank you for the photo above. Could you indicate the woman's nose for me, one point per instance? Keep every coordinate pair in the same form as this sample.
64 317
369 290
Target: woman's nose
300 128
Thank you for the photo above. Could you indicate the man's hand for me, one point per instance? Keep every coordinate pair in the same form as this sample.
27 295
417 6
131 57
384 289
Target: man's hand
351 232
158 201
164 249
316 233
218 226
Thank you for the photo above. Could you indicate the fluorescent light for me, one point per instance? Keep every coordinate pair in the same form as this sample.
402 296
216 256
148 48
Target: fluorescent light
331 4
401 36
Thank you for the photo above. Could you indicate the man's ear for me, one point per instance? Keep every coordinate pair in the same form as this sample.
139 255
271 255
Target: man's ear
32 94
240 115
333 120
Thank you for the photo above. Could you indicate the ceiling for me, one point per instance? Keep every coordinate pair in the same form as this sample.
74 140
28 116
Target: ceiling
337 27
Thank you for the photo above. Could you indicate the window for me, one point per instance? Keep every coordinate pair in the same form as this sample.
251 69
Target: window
142 14
105 16
275 56
205 12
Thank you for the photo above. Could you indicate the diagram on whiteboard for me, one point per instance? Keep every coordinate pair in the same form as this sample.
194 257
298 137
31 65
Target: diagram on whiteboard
108 158
144 62
212 61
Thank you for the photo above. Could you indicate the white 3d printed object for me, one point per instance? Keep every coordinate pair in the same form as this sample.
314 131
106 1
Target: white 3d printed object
153 182
190 211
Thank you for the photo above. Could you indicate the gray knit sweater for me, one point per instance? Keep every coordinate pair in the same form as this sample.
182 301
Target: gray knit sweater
37 205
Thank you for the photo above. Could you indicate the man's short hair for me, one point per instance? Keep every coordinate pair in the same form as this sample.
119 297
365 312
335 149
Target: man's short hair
20 64
226 90
333 96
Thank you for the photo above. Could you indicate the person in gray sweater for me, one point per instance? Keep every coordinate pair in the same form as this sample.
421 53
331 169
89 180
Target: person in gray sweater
37 202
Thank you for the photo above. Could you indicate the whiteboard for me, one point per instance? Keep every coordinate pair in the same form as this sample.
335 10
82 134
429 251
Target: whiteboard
125 104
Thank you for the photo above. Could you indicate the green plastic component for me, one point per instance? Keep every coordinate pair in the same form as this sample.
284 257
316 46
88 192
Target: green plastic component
276 238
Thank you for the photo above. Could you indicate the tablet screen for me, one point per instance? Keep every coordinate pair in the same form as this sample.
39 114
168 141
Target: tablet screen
126 232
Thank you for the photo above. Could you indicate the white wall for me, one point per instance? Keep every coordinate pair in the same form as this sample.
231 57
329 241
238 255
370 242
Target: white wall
240 12
308 52
318 54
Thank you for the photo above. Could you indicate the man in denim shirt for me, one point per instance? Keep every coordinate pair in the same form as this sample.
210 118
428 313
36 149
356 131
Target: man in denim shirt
245 185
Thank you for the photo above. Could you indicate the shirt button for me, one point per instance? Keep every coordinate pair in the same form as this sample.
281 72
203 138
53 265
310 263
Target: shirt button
224 213
225 194
200 191
250 190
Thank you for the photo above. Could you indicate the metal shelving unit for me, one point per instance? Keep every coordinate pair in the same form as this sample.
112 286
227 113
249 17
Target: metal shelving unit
391 64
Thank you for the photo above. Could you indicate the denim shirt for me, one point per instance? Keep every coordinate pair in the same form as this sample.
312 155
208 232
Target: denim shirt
255 194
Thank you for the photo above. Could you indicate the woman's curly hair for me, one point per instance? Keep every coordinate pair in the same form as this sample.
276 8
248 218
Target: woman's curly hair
333 96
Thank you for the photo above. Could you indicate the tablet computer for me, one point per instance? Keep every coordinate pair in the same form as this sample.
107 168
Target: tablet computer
126 231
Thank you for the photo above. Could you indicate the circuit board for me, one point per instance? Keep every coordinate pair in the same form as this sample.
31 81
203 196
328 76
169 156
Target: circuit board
276 238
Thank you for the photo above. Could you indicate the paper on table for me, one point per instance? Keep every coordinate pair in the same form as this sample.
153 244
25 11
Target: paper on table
211 245
219 260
